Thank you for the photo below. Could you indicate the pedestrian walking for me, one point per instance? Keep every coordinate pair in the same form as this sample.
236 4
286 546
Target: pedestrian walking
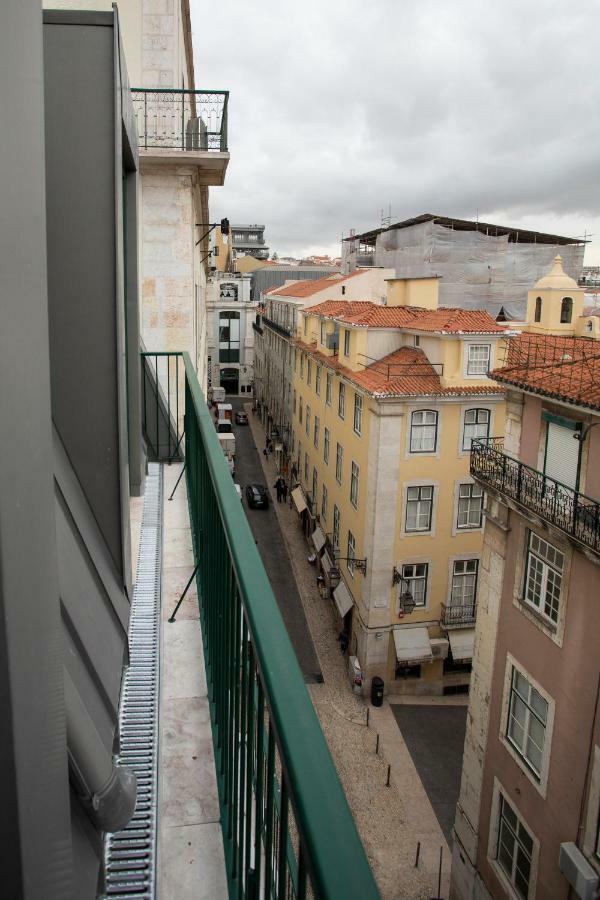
285 491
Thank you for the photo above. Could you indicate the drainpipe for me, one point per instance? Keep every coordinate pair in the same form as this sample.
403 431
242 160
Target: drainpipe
109 791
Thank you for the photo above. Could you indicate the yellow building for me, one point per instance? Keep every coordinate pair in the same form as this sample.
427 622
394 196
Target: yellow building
386 401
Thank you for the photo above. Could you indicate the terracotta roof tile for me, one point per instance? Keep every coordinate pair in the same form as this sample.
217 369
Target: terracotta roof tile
405 372
445 320
566 368
308 287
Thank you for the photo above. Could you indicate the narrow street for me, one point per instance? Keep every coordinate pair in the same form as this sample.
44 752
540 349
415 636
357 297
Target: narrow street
273 549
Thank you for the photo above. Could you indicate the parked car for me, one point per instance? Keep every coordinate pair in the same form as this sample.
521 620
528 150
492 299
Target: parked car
241 418
257 496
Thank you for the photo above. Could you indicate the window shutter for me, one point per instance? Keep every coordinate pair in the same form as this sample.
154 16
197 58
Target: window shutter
562 454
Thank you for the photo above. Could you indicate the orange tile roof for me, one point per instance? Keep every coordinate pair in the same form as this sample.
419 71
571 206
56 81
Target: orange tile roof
445 320
564 368
404 372
309 287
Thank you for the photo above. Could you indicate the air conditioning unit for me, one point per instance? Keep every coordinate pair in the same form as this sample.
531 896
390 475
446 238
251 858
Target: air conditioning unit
439 647
578 872
196 134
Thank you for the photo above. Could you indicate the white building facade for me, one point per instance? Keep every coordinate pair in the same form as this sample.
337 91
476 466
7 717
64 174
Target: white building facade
230 315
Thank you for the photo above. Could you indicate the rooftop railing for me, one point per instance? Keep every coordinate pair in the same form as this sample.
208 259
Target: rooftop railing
171 119
573 513
287 829
283 330
458 615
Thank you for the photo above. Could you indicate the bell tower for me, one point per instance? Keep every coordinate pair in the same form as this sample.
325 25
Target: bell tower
555 303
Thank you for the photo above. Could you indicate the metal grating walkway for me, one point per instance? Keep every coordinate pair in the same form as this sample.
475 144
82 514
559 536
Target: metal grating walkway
130 855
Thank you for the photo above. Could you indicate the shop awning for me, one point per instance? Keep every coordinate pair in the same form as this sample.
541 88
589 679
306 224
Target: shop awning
462 641
343 599
412 645
298 498
318 539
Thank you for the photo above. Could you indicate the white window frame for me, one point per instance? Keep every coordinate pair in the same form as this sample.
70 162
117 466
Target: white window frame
318 381
337 524
326 445
461 497
537 777
423 425
419 500
302 366
306 467
324 499
354 484
351 553
308 372
358 411
329 388
507 879
466 441
410 576
473 366
346 342
466 561
342 400
307 420
541 572
339 463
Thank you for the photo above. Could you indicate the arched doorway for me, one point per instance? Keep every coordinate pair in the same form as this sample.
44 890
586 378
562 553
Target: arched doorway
230 380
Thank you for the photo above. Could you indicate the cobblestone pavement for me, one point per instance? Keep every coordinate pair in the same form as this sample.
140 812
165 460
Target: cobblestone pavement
391 820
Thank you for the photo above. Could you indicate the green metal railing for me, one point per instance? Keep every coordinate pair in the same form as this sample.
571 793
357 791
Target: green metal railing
162 405
178 119
287 829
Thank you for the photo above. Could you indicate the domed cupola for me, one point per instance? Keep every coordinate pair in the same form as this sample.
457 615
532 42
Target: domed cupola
555 302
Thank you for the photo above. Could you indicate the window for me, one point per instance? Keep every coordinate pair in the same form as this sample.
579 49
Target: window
346 342
324 333
464 583
302 365
342 401
566 310
351 554
415 581
419 503
306 467
476 426
543 577
423 431
470 506
358 405
324 503
294 402
229 336
478 359
328 388
538 309
305 325
318 381
326 445
316 433
300 411
514 850
416 340
336 528
527 720
339 459
307 420
308 372
354 485
315 484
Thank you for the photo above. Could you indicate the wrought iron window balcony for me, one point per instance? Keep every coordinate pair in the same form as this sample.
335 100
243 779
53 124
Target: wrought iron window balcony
275 326
171 119
572 512
458 615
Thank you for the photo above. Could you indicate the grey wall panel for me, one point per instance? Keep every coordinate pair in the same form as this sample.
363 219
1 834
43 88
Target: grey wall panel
80 172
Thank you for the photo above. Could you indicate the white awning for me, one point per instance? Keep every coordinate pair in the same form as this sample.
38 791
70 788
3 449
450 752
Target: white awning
318 539
326 563
298 498
412 645
462 641
343 599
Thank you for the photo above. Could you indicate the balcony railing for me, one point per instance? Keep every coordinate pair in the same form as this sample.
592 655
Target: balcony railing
170 119
287 828
458 615
283 330
563 507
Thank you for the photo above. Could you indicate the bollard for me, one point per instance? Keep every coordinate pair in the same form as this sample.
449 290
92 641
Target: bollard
387 784
377 744
368 711
418 854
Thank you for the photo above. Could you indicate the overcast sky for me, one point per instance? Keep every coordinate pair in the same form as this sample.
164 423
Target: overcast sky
339 108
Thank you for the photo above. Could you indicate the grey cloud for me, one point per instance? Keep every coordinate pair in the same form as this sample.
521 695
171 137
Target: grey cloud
338 108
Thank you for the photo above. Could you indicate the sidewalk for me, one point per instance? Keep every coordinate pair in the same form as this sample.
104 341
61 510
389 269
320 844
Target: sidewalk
391 820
